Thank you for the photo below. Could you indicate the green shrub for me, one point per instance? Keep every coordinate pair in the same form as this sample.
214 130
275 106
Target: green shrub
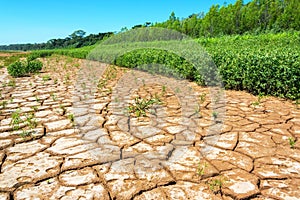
17 69
24 68
34 66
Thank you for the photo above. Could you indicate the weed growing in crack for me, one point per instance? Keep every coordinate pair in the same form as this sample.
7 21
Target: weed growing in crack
201 168
16 120
35 108
292 142
141 106
215 115
297 103
215 185
25 133
71 118
258 102
3 104
163 90
46 78
31 121
54 97
63 109
12 83
37 99
202 98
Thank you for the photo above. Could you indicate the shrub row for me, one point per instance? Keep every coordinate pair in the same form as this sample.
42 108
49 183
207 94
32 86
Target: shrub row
264 64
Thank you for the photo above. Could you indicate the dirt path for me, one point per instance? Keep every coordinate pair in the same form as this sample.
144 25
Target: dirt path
87 146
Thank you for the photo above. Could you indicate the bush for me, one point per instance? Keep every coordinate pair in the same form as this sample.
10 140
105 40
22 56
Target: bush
17 69
24 68
34 66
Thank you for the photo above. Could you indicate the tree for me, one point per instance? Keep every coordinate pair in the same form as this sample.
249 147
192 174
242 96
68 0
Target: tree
77 34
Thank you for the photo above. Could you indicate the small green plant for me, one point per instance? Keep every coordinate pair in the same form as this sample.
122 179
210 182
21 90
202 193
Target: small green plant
163 90
35 108
3 104
25 133
12 83
63 109
258 102
141 106
215 114
216 185
37 99
16 120
54 97
71 118
292 142
55 81
46 78
202 98
201 168
30 121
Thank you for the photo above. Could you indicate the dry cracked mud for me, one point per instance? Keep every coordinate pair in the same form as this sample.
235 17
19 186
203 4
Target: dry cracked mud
76 139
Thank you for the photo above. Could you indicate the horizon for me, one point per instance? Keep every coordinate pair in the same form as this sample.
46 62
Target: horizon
35 21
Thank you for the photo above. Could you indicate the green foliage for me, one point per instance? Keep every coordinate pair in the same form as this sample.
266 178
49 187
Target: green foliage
16 120
292 142
140 106
24 68
201 168
46 77
17 69
262 65
215 185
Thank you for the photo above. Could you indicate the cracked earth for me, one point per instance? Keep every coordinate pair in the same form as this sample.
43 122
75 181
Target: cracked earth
193 145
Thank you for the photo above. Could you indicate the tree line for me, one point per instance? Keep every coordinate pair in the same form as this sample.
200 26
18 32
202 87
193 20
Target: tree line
75 40
255 17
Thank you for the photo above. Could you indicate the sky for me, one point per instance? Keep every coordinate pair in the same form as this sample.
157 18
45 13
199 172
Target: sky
36 21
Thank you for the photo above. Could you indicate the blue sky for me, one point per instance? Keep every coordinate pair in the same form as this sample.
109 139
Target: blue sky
34 21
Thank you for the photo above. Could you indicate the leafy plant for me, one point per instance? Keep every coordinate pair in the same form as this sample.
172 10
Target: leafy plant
25 133
46 78
202 98
30 121
24 68
16 120
3 104
12 82
215 114
215 185
140 106
201 168
71 118
292 142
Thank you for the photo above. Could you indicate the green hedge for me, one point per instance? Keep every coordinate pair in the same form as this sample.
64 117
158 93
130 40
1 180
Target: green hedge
266 64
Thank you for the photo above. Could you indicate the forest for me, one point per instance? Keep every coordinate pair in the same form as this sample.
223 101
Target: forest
255 17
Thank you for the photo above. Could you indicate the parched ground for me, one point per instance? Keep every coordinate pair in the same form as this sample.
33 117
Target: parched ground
67 133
